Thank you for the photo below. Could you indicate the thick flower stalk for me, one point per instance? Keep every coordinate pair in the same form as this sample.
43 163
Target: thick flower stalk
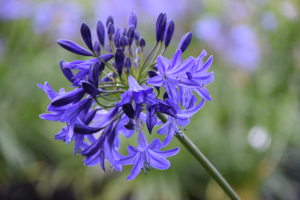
118 73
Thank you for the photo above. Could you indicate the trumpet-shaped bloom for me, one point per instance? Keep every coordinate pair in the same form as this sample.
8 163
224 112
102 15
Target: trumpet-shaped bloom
146 156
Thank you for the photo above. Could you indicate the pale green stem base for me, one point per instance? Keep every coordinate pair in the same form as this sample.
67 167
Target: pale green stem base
209 168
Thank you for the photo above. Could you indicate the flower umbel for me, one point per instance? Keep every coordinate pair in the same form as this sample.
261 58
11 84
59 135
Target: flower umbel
117 73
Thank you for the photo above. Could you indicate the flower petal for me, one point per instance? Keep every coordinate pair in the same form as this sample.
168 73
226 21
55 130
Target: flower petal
73 47
155 144
176 60
136 168
157 162
170 135
203 92
162 64
188 83
165 154
207 65
156 81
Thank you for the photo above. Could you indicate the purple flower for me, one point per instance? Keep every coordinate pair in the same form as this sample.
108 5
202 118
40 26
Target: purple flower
146 156
169 73
182 119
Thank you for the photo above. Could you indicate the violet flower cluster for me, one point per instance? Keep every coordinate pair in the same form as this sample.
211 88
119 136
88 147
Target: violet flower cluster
117 73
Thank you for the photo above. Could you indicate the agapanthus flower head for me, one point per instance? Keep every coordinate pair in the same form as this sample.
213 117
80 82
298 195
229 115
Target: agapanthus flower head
124 78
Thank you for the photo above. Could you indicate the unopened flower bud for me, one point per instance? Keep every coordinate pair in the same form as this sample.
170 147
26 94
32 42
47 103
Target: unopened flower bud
185 41
142 43
124 31
138 52
109 20
127 51
97 48
110 30
135 65
130 35
132 19
101 33
137 60
119 58
136 38
123 42
160 27
169 32
86 35
117 37
127 65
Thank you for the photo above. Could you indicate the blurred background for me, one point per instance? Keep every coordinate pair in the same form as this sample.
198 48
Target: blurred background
249 131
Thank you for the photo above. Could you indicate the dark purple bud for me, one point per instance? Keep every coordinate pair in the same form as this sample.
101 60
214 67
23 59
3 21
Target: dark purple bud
123 42
66 71
86 35
69 97
110 31
185 41
169 32
151 119
86 130
132 19
97 48
155 67
130 124
101 68
109 20
90 88
135 65
136 38
142 43
152 74
101 33
138 52
127 65
137 60
130 35
117 38
119 58
128 110
166 96
105 79
94 73
161 26
124 31
73 47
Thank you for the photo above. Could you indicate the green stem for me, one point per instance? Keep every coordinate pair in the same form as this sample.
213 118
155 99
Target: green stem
111 46
107 86
150 65
209 168
143 63
106 63
163 51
